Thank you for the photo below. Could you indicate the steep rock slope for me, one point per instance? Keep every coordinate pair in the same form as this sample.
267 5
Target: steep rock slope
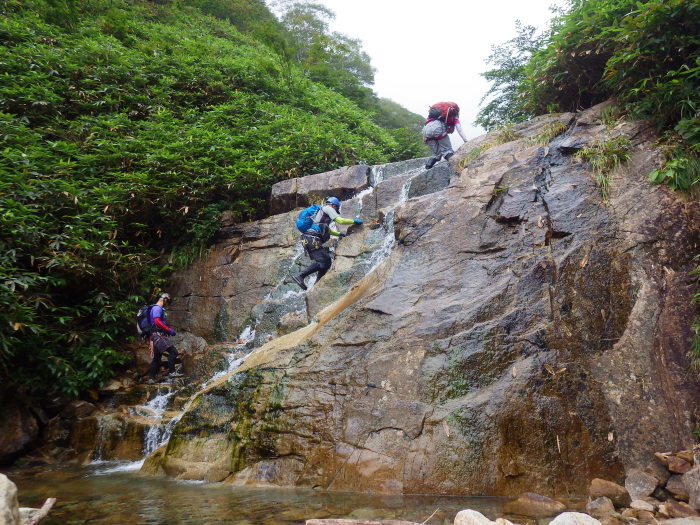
516 332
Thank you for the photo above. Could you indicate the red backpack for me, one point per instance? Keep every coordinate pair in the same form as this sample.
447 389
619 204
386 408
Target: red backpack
448 112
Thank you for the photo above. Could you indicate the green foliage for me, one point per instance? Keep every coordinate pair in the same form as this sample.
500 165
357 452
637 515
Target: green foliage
504 103
126 128
644 53
655 65
681 170
605 157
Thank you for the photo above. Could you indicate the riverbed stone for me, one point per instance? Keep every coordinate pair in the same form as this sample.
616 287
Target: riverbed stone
679 465
680 509
601 507
640 484
9 508
604 488
677 487
659 471
574 518
691 481
639 504
473 517
534 505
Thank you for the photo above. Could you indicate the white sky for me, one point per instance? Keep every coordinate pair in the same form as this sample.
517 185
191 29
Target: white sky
427 51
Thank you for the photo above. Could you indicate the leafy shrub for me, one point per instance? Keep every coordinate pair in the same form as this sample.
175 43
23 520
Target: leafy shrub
127 128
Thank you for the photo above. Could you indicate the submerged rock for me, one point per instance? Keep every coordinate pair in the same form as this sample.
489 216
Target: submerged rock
534 506
491 337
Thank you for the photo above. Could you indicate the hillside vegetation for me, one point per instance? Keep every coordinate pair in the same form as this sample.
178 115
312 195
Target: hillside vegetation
127 127
645 54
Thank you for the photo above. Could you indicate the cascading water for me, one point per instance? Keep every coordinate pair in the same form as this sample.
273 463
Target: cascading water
388 223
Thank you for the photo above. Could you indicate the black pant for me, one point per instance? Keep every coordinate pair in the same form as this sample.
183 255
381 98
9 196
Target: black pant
322 262
161 345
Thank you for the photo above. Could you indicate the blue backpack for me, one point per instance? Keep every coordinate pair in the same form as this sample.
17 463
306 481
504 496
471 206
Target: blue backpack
143 321
306 217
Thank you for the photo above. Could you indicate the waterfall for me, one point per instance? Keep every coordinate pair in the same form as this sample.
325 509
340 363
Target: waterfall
284 297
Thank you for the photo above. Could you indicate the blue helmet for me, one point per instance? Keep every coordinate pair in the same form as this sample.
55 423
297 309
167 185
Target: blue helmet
334 201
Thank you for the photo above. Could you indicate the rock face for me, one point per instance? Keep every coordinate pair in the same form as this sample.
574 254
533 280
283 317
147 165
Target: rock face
504 330
18 429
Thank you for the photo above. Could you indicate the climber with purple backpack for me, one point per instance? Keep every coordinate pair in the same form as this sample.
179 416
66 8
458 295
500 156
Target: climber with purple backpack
316 224
443 119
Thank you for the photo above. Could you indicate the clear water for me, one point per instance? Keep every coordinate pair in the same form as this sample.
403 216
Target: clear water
87 497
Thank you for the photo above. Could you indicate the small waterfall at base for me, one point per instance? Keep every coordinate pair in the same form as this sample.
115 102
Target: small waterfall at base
282 297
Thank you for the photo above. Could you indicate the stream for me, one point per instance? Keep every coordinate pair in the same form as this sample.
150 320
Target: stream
97 494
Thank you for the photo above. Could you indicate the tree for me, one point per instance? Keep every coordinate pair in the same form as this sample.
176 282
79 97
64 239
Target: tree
510 59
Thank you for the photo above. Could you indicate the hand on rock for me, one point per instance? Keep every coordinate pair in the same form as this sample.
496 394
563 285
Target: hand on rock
342 234
172 332
358 221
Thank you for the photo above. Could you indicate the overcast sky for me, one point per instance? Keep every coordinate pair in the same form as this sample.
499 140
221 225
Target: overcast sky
428 51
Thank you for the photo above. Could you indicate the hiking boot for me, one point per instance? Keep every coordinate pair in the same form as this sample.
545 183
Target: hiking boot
431 162
299 280
447 157
172 375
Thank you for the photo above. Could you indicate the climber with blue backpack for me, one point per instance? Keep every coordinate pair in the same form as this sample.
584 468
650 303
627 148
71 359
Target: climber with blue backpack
316 224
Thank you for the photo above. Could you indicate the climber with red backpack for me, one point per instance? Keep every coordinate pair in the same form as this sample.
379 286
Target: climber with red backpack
316 224
443 119
159 343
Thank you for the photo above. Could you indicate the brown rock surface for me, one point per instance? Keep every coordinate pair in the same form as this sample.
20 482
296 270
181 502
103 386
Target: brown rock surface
519 330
